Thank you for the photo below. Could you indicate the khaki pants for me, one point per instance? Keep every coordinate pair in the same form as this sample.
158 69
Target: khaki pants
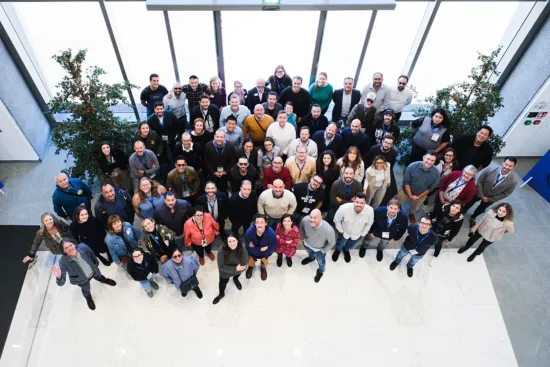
415 204
252 262
375 196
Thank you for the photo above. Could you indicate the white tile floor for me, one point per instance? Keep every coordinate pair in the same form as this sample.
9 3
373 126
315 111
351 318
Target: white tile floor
359 314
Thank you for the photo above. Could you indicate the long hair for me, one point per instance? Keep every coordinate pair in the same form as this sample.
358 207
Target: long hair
212 91
509 212
441 157
275 72
56 223
268 138
291 219
443 113
154 189
355 164
77 211
333 169
378 157
447 208
317 84
227 250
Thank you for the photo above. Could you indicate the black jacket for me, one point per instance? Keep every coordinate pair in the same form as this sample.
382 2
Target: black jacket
445 225
153 142
483 157
193 158
300 101
391 155
225 158
337 97
172 128
121 161
254 99
337 144
365 115
174 221
222 199
252 159
102 209
278 85
377 133
236 178
142 271
314 125
427 240
91 233
241 211
397 228
360 141
273 113
213 111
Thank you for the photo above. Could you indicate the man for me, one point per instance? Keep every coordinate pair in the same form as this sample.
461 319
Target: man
282 133
277 172
242 206
193 153
216 202
318 238
344 100
234 109
69 194
260 243
154 92
177 104
378 88
474 150
194 90
184 180
257 95
419 179
305 141
343 191
420 237
387 150
493 185
398 98
309 196
233 133
354 137
242 171
165 123
314 120
143 163
82 265
298 96
219 158
272 107
301 166
276 202
352 221
390 224
208 112
114 202
174 213
329 140
365 112
385 126
256 125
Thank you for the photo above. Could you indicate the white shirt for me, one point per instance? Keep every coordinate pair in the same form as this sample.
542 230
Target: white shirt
311 146
282 136
351 224
346 103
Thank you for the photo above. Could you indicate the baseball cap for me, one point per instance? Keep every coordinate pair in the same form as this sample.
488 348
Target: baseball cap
371 96
389 111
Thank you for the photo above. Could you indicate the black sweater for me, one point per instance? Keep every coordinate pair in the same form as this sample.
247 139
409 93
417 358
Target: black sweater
242 210
482 157
446 226
225 158
142 271
300 101
120 158
377 132
193 158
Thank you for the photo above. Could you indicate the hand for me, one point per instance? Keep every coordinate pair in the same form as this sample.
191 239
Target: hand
485 199
413 197
445 242
445 202
26 259
388 185
471 231
241 267
338 200
364 192
141 172
264 248
251 244
289 242
163 259
120 265
141 243
153 166
371 236
56 272
391 241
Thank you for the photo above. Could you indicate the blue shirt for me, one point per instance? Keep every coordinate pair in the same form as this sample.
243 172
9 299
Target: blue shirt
236 137
148 207
419 179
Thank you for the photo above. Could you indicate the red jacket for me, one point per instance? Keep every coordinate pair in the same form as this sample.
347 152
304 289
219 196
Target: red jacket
192 234
467 192
270 176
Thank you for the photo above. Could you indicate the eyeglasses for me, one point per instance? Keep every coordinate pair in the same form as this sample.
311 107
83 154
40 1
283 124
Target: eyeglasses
176 256
137 256
180 165
277 162
238 86
199 215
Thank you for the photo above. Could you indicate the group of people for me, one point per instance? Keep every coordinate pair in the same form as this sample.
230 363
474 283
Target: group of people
271 162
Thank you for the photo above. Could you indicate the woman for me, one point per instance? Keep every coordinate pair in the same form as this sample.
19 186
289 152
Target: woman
148 198
200 231
52 232
328 169
113 163
266 154
496 223
239 91
232 260
122 239
288 236
249 152
321 92
444 163
142 268
182 271
456 186
89 230
199 135
279 80
432 133
352 158
447 225
216 93
157 239
291 116
150 138
378 179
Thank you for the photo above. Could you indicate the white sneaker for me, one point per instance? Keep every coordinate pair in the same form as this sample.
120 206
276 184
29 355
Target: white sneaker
433 261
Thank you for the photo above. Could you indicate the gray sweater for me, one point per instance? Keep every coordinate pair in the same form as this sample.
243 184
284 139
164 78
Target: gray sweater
228 268
322 238
135 164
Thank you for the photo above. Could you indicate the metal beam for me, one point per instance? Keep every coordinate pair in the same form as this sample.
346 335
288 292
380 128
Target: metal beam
318 44
171 43
117 53
217 16
364 49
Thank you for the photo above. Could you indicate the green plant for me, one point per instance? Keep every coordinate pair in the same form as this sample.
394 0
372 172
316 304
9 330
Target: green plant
468 104
90 123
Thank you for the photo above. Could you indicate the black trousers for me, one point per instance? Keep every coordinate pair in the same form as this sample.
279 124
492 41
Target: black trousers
397 116
223 282
236 226
417 153
201 250
484 244
85 288
480 208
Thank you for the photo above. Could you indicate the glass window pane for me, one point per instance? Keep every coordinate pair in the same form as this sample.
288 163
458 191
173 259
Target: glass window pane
341 49
254 43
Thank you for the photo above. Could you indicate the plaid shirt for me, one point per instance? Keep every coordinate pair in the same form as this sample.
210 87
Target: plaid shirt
194 96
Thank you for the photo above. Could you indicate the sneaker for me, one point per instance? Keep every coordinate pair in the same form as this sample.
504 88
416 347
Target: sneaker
393 265
318 276
472 222
218 298
264 274
198 292
90 302
433 261
289 262
154 285
362 252
410 272
237 284
211 256
335 255
471 258
461 250
150 294
201 261
306 261
379 255
249 272
347 256
279 260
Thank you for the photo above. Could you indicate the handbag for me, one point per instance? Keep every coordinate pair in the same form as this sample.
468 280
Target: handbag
189 284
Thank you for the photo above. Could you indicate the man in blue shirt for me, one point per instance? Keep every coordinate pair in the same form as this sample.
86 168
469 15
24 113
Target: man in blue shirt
233 133
69 194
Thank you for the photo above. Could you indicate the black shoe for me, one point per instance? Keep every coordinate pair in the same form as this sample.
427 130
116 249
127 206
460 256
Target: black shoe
379 255
362 252
462 250
249 272
410 272
471 258
279 260
393 265
318 276
347 256
198 292
306 261
107 281
218 298
237 284
104 261
426 201
472 222
90 302
183 294
154 285
335 255
289 262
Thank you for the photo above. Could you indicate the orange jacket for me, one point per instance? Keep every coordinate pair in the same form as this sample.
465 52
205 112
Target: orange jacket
192 234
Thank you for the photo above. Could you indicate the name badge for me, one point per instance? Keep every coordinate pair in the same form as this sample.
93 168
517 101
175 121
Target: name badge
298 181
114 174
255 94
220 169
447 232
186 194
211 96
386 235
413 252
305 210
165 138
203 242
435 137
128 232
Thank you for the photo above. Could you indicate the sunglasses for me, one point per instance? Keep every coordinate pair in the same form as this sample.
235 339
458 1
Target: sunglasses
176 256
177 88
243 164
180 165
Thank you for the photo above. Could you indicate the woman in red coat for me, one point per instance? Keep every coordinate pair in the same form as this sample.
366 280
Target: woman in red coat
456 185
200 231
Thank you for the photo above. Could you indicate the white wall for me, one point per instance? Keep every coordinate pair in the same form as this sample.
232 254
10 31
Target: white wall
14 146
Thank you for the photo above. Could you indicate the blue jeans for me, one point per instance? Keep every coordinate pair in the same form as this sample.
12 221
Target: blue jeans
346 244
146 284
319 256
404 252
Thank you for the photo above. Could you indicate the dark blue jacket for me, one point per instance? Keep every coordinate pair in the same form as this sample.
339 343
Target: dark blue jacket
268 239
222 199
336 145
411 242
76 274
66 201
397 228
361 141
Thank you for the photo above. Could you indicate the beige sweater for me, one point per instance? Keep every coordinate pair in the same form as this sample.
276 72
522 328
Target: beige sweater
493 229
370 178
276 207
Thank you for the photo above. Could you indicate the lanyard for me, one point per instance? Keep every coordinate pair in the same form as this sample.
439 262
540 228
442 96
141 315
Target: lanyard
280 85
156 238
389 220
205 115
301 169
150 199
500 178
437 129
459 184
110 160
223 148
445 169
200 230
418 240
211 206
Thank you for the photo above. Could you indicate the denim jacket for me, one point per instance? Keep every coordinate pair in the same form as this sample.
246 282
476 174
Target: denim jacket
116 245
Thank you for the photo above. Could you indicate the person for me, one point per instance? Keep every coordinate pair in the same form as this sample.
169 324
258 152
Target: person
446 163
52 231
383 127
321 92
152 93
240 172
419 179
142 268
143 163
282 133
260 242
148 198
377 181
458 185
216 203
345 99
318 238
258 94
232 259
309 196
241 207
216 93
200 231
329 140
235 109
199 135
255 126
277 171
398 98
81 264
272 107
447 224
378 88
314 121
174 213
114 202
432 133
279 80
69 194
157 239
493 185
390 224
388 151
219 158
288 236
276 202
150 139
86 228
194 91
299 97
301 166
193 153
329 171
352 159
209 113
122 239
305 141
474 149
354 137
496 223
249 151
182 271
366 113
343 191
233 133
183 180
289 109
167 126
266 154
176 104
241 93
113 163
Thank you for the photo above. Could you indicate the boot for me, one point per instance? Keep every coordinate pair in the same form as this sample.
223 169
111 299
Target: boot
335 255
410 272
347 256
362 252
237 284
154 285
104 261
462 249
201 261
150 294
90 302
279 260
218 298
198 292
379 255
264 274
471 257
318 276
393 265
249 272
289 262
307 260
107 281
211 256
